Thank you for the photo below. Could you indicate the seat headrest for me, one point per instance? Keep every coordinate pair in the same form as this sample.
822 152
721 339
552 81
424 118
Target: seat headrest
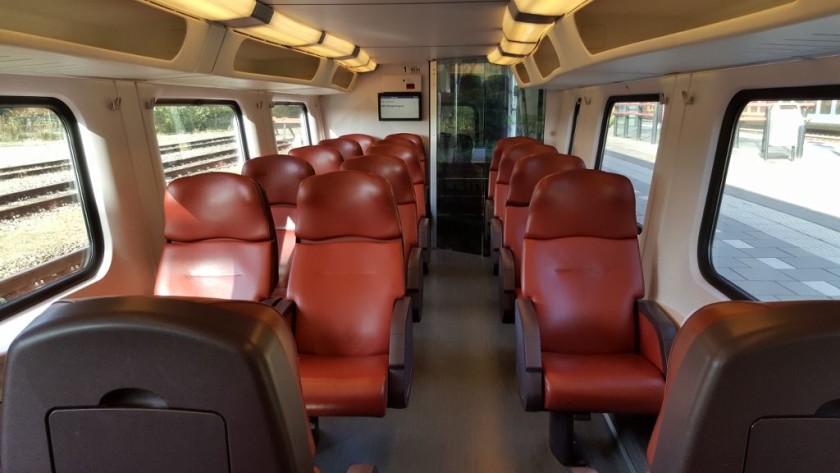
347 204
391 168
279 175
148 364
582 202
504 143
416 140
365 141
514 153
406 152
216 205
322 158
529 170
348 148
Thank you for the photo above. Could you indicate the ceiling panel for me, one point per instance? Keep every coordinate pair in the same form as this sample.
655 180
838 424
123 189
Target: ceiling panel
397 32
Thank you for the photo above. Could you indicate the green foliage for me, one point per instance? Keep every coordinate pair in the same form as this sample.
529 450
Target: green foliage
18 124
172 119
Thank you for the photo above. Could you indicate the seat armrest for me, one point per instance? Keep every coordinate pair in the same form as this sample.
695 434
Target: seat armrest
507 270
400 354
488 210
362 469
507 284
496 235
287 310
529 371
656 333
414 270
424 236
414 282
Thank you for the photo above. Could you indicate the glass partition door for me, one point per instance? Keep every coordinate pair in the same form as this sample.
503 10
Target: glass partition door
477 104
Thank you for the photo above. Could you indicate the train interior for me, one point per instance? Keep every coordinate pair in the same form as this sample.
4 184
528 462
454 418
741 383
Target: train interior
723 116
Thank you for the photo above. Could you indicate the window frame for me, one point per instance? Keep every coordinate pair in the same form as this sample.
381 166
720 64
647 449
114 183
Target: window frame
87 203
605 119
305 122
237 112
605 130
720 167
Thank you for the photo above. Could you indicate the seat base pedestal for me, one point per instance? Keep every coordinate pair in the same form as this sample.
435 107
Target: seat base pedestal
561 439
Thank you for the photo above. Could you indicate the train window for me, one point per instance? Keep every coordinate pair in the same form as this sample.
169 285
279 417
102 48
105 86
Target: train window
50 236
196 137
771 230
291 127
629 142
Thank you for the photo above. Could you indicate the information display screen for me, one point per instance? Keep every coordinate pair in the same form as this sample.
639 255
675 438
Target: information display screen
395 106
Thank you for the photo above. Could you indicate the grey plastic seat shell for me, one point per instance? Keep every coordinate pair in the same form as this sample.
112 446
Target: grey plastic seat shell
753 388
144 357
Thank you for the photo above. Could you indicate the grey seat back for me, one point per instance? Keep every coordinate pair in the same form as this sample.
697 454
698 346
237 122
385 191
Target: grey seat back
154 384
752 387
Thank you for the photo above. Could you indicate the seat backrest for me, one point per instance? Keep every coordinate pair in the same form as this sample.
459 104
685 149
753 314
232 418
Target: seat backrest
395 172
581 263
348 267
408 154
497 156
348 148
149 386
752 387
322 158
527 172
280 176
220 239
365 141
414 139
510 156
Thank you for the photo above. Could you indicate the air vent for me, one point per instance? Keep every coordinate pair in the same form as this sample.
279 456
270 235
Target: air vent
342 78
255 57
546 58
522 72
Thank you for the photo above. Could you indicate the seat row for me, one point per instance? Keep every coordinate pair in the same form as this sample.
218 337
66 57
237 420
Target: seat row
329 154
337 254
588 342
138 383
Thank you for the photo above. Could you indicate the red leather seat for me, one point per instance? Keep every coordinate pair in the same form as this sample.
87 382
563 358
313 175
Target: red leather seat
346 297
395 172
510 156
151 390
400 148
322 158
494 171
526 174
220 239
280 176
417 141
752 387
585 341
365 141
348 148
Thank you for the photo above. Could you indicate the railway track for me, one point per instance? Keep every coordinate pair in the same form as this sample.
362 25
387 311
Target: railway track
27 202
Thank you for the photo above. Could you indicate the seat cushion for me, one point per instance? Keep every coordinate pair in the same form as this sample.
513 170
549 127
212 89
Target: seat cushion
344 386
601 383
